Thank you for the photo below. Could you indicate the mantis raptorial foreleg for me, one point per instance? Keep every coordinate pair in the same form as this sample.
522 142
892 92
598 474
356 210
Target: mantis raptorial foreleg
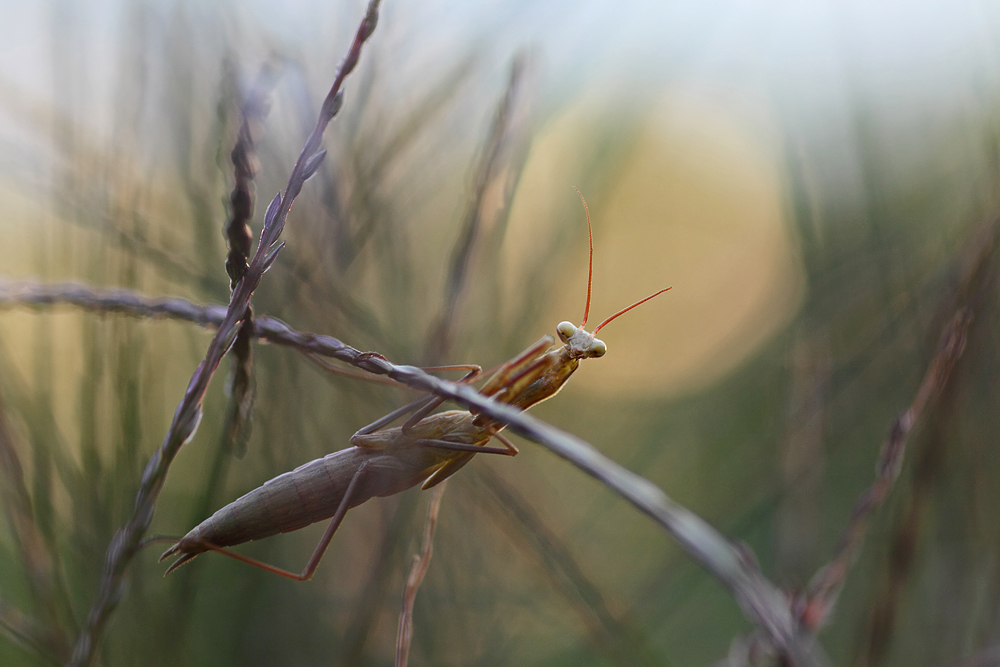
521 367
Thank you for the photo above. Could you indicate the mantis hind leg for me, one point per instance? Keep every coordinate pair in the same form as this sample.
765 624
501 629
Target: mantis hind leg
310 569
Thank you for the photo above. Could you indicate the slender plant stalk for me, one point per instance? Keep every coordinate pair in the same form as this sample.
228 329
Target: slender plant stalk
441 338
612 634
35 558
41 641
245 168
314 347
418 571
973 269
442 331
762 603
126 542
813 608
828 582
242 387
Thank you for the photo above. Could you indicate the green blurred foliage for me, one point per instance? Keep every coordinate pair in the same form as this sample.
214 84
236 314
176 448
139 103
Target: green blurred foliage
533 564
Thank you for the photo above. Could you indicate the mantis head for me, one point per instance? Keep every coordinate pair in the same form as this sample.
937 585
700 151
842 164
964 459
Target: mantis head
581 343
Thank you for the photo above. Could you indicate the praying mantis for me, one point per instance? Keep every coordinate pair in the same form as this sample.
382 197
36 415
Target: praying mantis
427 449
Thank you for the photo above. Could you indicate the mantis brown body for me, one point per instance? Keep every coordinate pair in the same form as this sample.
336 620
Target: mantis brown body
381 462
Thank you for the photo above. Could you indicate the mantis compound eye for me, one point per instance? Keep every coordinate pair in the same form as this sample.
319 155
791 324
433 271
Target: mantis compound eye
597 348
565 330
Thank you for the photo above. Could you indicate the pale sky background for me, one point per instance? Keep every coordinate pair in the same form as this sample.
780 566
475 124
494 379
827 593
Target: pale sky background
913 56
722 89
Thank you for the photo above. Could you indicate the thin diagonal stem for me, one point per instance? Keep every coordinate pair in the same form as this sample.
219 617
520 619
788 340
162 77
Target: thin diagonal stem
35 558
421 563
126 542
826 585
761 601
975 274
242 386
490 166
442 331
128 302
38 639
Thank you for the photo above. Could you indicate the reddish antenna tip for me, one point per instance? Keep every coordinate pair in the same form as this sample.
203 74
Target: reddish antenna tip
590 273
625 310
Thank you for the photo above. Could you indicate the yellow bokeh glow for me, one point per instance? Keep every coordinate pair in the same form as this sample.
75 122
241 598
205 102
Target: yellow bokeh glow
697 204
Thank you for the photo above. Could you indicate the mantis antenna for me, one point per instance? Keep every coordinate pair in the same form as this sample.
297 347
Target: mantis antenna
625 310
590 276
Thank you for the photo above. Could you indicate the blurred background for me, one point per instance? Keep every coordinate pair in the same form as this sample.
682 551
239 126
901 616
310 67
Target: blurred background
818 182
